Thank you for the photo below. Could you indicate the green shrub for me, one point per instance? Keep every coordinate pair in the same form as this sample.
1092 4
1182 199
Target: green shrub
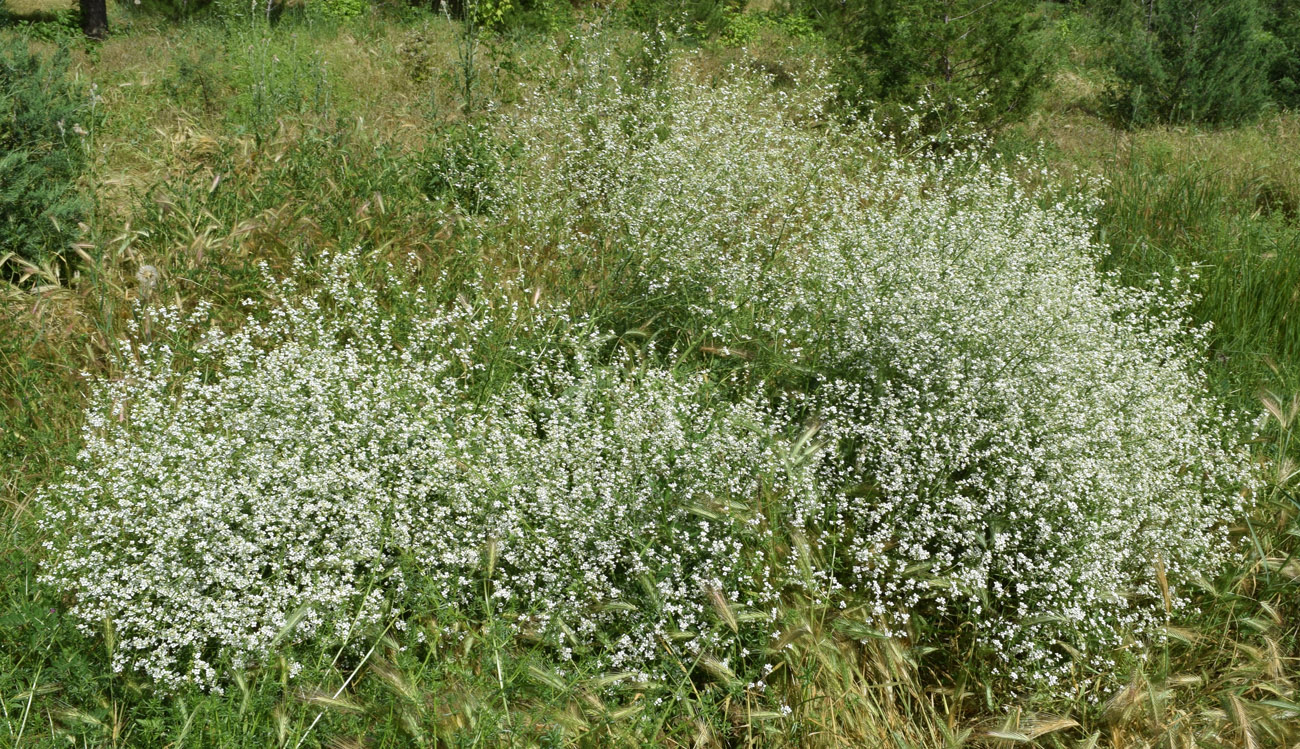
281 75
194 80
486 14
743 28
969 58
336 9
54 25
44 119
700 19
418 54
1283 24
540 15
1182 61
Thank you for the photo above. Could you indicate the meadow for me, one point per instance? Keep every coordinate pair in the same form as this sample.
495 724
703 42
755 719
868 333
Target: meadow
394 380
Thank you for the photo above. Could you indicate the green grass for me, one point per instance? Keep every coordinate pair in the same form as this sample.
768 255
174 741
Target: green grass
1167 215
211 160
1220 206
1220 203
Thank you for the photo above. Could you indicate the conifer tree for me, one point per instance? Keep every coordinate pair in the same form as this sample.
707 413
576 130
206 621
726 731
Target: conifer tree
1183 61
1283 25
982 53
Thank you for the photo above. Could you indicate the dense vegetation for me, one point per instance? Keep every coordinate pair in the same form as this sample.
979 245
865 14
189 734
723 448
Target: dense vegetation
673 373
43 122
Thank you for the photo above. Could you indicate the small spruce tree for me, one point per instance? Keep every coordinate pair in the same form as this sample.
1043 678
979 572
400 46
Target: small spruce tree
1283 26
1184 61
978 57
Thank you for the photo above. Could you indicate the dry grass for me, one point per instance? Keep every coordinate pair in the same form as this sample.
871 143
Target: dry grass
38 7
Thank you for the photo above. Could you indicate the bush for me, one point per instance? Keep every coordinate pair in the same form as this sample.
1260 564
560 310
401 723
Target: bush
336 9
195 80
486 14
699 19
1013 447
419 55
883 384
44 120
744 27
972 55
1283 23
1183 61
335 465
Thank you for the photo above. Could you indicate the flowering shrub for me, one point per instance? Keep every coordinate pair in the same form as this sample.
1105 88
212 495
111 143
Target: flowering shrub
699 191
996 439
624 504
320 459
1014 445
204 510
1015 441
465 169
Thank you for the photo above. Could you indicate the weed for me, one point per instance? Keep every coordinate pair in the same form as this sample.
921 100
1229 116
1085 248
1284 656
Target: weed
45 121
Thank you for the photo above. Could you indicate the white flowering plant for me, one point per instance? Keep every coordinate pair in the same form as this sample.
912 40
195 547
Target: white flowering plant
934 408
212 501
1014 446
313 472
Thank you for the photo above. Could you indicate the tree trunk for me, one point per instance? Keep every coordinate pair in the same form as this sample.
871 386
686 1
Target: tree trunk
94 18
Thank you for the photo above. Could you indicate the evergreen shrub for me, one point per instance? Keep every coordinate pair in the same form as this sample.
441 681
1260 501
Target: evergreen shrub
1283 25
45 120
1185 61
972 60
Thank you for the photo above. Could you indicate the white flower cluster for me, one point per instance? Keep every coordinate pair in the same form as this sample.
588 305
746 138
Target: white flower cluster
618 505
691 196
995 437
1014 443
320 458
1015 440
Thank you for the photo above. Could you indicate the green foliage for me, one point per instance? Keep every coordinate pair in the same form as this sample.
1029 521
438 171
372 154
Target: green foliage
331 174
697 19
194 81
490 13
44 120
541 15
743 28
1283 24
465 169
418 55
1166 213
1183 61
277 75
336 9
57 25
967 58
484 14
